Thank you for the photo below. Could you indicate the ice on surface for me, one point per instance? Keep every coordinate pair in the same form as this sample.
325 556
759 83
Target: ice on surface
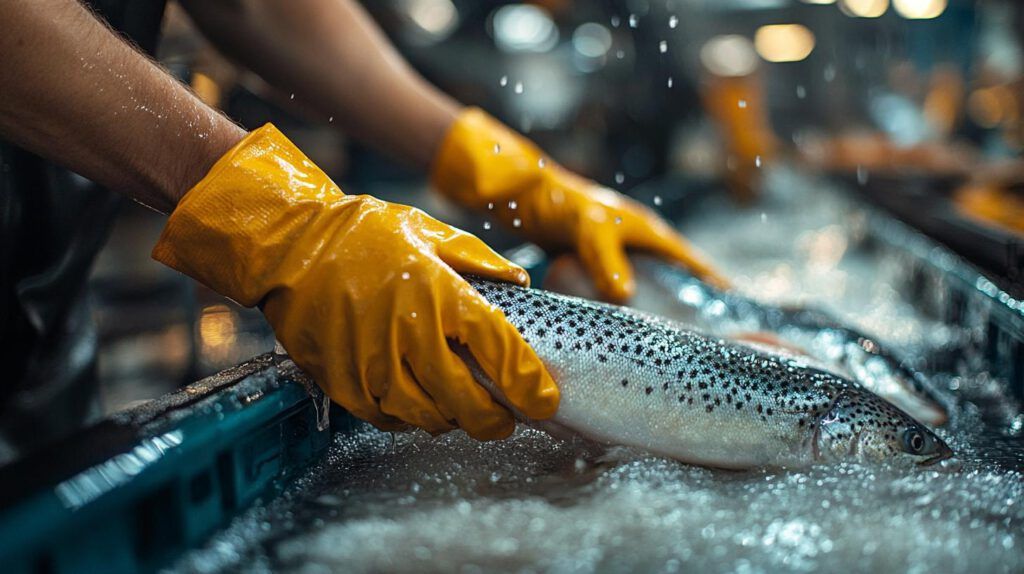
414 503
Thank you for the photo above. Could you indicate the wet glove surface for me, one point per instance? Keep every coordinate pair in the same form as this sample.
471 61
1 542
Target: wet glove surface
363 294
486 166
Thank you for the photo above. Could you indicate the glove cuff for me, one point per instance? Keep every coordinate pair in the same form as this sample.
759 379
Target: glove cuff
481 160
235 227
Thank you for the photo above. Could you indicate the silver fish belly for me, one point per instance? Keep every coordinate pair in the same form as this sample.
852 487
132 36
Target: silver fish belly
633 380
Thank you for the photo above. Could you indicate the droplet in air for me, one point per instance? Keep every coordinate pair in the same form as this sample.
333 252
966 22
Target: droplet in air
490 205
330 120
801 92
862 175
657 200
497 149
620 54
663 46
487 225
633 20
615 276
616 21
541 163
618 220
620 177
757 160
291 97
512 204
503 81
519 87
413 314
829 73
516 222
764 217
673 21
405 275
742 103
670 81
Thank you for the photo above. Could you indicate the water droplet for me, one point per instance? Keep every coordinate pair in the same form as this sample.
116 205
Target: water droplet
487 225
405 275
615 276
517 222
503 81
541 163
757 160
673 21
764 217
657 200
829 73
618 220
291 97
862 175
620 54
670 81
497 149
663 46
633 20
801 92
512 204
330 120
742 103
616 21
620 177
413 314
519 87
490 205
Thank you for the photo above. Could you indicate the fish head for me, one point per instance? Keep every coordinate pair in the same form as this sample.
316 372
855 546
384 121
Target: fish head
859 426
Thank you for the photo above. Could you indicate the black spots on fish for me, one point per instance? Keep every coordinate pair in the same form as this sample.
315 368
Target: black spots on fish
709 408
580 332
648 390
624 383
739 405
706 397
602 358
558 345
559 330
769 411
702 385
664 387
541 332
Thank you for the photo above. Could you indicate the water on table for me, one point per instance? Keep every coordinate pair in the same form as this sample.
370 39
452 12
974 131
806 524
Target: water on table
413 503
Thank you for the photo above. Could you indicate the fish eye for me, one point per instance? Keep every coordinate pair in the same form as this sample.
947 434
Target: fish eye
914 441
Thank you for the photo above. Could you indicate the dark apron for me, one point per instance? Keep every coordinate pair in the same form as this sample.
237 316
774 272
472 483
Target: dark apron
52 224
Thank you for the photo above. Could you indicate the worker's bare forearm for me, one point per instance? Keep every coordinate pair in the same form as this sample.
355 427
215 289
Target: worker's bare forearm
333 56
74 92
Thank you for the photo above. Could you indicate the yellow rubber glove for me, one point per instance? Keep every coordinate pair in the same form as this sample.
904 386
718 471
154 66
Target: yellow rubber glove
363 294
484 165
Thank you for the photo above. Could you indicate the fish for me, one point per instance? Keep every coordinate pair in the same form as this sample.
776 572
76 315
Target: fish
635 380
672 292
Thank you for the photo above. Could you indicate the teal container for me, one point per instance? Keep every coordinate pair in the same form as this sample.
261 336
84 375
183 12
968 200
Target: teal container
164 477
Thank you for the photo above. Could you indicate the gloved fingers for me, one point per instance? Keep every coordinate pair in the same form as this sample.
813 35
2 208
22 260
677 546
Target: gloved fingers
650 233
405 399
362 406
505 357
468 255
449 381
604 257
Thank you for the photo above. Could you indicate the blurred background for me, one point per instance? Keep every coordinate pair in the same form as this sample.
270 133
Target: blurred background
917 104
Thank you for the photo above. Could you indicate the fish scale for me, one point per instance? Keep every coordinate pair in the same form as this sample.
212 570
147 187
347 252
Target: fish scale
636 380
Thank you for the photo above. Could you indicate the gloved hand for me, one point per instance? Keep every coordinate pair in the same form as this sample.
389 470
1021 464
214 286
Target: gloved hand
363 294
486 166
